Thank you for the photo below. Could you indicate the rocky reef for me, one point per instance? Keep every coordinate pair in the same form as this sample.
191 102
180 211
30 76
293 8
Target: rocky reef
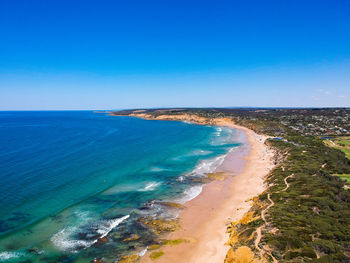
160 225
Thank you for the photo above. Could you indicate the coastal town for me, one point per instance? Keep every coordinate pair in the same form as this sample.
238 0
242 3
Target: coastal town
319 122
307 121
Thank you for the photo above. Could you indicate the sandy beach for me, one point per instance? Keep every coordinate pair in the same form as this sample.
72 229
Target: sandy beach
205 218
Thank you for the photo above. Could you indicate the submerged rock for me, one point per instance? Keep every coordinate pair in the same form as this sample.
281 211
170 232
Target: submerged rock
173 205
128 259
132 238
160 225
101 240
34 250
174 242
156 255
154 247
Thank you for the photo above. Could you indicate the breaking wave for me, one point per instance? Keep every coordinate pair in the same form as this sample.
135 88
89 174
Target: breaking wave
7 255
190 194
67 239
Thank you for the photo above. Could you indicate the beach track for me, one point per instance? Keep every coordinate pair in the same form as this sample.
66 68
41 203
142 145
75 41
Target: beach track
263 251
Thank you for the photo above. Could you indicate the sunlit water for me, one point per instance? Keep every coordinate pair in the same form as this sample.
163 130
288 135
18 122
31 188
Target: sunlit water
69 178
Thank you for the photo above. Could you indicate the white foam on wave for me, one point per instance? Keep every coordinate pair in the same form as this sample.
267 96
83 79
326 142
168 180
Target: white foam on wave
218 131
190 194
181 178
150 186
66 241
208 166
203 168
222 136
142 252
104 229
7 255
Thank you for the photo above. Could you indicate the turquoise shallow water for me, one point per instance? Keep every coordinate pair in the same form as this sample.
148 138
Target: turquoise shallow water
69 178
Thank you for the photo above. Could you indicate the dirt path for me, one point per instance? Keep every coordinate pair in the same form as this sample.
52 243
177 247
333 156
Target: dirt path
286 183
263 213
258 231
333 143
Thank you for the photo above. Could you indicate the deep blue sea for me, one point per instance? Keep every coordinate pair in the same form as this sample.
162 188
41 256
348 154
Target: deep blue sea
68 178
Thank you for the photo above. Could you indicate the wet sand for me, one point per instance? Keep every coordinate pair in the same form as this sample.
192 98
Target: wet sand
205 218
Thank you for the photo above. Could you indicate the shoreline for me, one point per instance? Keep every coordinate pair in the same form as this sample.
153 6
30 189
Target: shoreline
205 218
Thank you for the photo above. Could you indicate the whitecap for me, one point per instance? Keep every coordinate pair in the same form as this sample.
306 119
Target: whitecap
66 241
7 255
222 136
189 194
208 166
150 186
142 252
181 178
107 227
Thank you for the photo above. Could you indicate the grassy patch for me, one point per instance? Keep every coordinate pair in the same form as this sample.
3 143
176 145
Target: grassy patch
340 143
347 152
345 177
133 237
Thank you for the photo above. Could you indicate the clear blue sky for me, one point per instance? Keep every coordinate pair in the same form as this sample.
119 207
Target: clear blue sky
129 54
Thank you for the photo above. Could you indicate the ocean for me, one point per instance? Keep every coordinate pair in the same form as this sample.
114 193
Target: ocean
70 178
